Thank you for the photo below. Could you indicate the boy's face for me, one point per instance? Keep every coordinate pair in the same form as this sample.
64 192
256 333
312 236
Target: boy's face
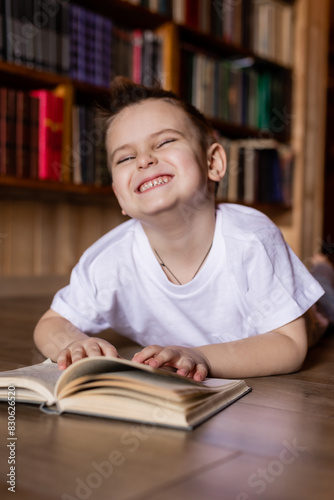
157 163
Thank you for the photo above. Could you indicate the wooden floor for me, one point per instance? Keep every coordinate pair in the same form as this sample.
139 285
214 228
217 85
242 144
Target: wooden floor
275 443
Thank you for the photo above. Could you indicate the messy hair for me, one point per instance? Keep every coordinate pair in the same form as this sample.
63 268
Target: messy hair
124 92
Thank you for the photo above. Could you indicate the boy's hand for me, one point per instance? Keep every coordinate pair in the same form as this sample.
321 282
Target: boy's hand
84 349
187 361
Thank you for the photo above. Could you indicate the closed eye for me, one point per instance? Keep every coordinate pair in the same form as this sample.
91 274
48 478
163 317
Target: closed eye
124 159
167 141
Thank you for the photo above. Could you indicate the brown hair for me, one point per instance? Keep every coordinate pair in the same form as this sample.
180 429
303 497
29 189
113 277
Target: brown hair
124 92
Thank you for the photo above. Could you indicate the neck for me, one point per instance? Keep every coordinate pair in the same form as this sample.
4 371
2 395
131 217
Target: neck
183 241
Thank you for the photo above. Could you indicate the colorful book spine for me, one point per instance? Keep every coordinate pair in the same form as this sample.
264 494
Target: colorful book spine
106 53
45 149
57 120
99 56
50 133
3 129
2 48
137 37
10 167
33 136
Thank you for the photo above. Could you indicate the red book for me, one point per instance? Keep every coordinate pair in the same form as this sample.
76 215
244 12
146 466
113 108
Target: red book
33 136
22 134
192 13
19 134
57 135
137 55
45 149
10 166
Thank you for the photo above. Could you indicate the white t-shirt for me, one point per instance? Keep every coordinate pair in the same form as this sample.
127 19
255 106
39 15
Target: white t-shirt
250 283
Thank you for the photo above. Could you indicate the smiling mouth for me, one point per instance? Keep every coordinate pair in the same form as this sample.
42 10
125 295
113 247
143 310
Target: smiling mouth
158 181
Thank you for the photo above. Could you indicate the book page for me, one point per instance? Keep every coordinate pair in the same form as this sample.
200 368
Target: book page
39 379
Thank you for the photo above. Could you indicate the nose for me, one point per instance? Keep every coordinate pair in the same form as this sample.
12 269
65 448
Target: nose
146 160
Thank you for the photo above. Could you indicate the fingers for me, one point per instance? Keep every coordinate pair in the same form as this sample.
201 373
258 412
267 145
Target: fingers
80 349
185 364
147 354
200 373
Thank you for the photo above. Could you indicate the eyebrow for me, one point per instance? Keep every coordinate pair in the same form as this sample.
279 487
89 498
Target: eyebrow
155 134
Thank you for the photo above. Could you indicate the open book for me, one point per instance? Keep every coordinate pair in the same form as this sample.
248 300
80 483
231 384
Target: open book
121 389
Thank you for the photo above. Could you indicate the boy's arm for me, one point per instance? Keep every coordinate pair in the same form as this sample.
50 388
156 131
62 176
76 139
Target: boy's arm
58 339
277 352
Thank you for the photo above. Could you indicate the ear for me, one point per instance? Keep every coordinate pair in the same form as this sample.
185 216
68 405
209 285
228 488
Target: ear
216 159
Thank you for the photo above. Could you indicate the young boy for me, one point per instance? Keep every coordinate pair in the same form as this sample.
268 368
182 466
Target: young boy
209 291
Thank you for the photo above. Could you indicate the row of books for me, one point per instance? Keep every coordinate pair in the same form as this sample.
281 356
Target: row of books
58 36
34 144
234 90
258 171
37 143
100 50
137 54
264 26
19 133
36 33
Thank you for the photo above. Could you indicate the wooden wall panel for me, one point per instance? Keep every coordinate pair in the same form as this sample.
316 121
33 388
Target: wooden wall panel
19 248
45 239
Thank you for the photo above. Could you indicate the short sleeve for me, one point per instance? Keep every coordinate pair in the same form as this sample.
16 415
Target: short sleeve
279 287
79 302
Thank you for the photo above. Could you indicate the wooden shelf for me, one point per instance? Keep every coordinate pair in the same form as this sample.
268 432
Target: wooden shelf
210 44
122 12
30 188
23 76
235 131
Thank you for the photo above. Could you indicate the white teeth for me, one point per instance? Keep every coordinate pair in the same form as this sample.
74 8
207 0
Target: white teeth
155 182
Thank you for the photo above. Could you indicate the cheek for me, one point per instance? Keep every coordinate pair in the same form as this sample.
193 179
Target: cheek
119 184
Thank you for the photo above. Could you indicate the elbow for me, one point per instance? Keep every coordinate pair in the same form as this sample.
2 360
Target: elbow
299 351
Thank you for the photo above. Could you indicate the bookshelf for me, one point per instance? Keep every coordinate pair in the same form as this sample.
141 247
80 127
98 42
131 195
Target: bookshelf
90 210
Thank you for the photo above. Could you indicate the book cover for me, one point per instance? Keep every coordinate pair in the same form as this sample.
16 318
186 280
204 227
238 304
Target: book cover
83 146
147 60
2 48
38 37
98 51
250 180
216 18
45 133
106 54
15 37
10 167
33 136
228 15
52 37
179 11
90 145
192 13
204 22
66 93
8 28
3 129
121 389
63 38
19 134
137 40
57 120
76 152
233 172
90 20
27 27
46 38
